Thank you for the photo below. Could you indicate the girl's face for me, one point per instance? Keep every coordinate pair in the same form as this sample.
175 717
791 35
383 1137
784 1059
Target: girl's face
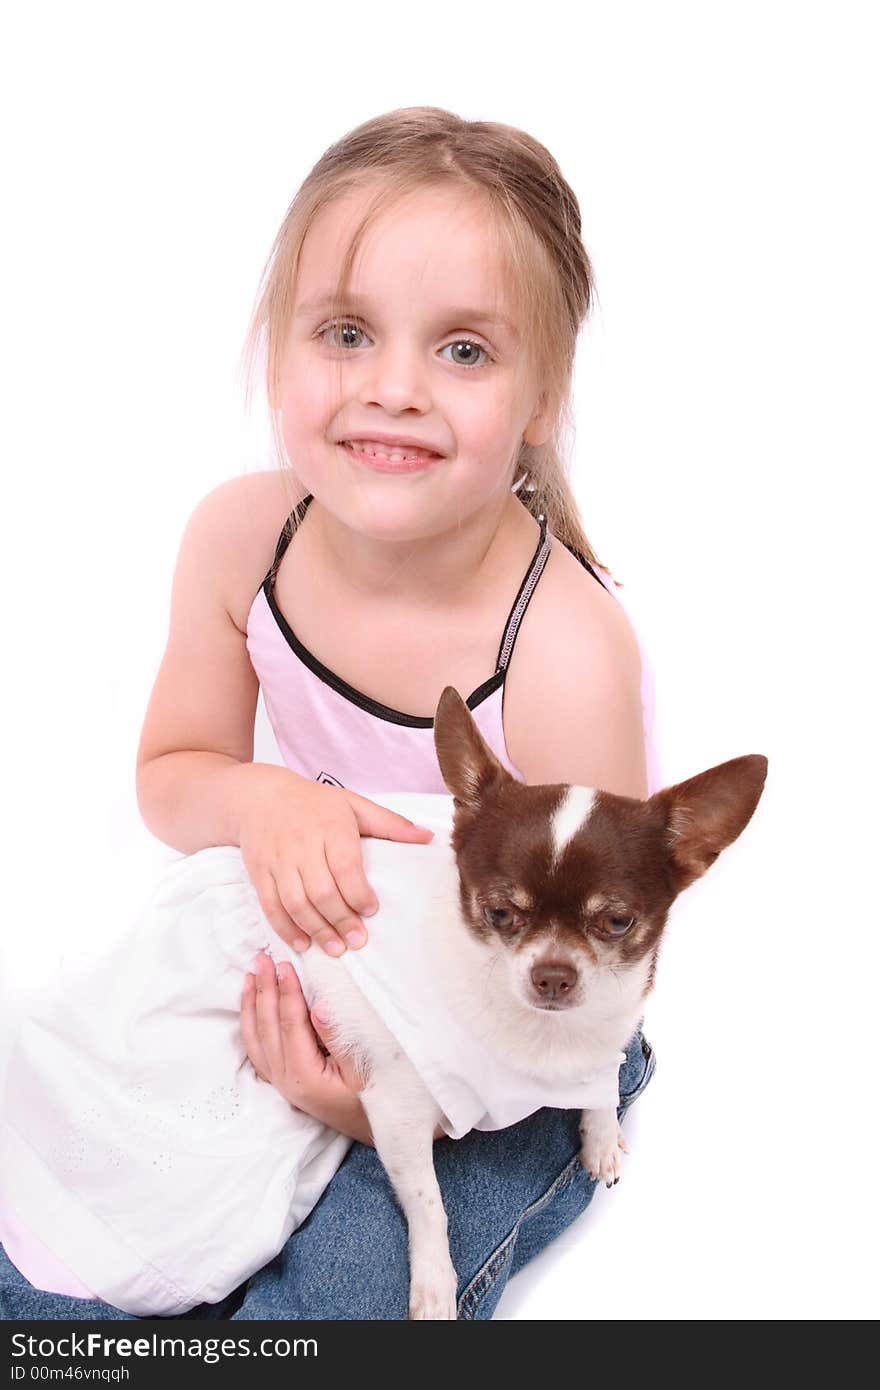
427 348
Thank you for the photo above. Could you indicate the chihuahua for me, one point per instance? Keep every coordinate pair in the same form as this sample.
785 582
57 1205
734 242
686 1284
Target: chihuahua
551 933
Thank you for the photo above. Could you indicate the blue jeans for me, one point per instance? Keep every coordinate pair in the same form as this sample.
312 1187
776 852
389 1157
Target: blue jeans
508 1193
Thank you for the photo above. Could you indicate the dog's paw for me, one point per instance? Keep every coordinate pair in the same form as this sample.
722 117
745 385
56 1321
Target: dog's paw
433 1298
602 1142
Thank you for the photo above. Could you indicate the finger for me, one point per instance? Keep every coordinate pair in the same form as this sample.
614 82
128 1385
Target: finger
333 919
346 863
305 921
293 1011
383 824
323 893
276 914
249 1035
305 1060
405 831
268 1026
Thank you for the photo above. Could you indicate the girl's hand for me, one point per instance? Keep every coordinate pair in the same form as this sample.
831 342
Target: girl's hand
300 843
282 1040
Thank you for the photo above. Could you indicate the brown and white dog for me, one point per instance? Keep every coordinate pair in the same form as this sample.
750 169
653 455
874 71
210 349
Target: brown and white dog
563 896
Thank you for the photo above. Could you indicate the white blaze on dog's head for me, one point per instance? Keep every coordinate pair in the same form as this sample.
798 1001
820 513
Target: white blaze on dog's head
572 813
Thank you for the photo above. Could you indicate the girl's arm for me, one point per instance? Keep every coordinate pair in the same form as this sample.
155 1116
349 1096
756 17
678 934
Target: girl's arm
198 734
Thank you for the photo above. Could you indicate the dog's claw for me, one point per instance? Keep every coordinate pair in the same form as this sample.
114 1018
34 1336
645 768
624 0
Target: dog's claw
601 1150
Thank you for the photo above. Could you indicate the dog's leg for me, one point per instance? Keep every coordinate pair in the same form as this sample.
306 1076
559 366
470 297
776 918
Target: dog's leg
403 1117
602 1140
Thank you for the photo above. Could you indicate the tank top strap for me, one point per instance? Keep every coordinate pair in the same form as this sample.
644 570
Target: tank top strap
521 602
285 538
587 566
527 588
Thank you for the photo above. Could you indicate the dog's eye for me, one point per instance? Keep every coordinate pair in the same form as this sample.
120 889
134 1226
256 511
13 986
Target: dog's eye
501 918
616 926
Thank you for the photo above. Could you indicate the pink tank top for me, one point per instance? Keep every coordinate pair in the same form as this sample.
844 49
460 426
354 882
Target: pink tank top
330 732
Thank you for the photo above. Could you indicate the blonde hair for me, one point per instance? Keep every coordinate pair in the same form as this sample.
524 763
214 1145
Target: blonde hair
538 225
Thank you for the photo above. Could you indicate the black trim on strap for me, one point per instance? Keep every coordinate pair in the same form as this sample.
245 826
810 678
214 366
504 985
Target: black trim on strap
285 538
523 598
357 697
586 564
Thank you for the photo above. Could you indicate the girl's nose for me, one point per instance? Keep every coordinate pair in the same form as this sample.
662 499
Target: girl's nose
396 377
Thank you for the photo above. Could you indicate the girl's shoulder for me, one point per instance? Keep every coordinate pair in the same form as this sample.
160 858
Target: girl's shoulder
580 617
575 602
572 705
246 516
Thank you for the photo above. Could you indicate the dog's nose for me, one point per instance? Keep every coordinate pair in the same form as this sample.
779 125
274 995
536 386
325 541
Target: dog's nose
553 978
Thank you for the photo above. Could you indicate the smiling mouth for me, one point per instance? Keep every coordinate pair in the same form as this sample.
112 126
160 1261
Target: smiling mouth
394 460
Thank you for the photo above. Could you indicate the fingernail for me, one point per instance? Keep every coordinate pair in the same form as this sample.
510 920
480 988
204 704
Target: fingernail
334 948
320 1012
355 938
368 911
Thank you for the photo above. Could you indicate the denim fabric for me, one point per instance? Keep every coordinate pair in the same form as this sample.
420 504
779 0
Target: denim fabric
508 1193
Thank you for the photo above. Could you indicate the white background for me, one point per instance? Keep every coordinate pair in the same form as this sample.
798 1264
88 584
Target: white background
724 159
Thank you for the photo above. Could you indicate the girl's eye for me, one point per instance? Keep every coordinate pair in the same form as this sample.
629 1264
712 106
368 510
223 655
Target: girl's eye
344 331
471 349
501 918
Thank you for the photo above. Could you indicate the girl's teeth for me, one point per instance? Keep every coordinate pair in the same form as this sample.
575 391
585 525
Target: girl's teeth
395 455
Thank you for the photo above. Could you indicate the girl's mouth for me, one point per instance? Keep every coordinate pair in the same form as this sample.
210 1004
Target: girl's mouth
389 460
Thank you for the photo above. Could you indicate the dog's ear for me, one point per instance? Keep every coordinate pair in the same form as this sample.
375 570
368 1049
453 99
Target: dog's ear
706 813
470 769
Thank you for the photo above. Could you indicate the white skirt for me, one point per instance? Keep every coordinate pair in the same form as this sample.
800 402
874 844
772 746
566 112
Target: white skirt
137 1142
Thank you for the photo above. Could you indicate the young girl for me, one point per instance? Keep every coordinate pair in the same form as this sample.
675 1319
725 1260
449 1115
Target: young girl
418 316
